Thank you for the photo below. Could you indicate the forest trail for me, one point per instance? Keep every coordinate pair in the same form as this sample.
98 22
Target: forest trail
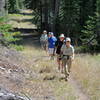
44 81
76 91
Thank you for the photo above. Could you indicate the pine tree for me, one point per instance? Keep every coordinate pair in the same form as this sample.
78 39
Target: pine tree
89 36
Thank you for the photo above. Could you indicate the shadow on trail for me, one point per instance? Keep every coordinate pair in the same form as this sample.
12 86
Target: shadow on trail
23 20
30 37
27 20
24 13
31 41
25 30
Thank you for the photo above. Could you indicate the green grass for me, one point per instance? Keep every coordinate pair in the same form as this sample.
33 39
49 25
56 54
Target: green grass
15 15
21 21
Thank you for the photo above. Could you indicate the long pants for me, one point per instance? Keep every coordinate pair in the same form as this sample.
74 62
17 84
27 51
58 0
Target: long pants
44 45
67 63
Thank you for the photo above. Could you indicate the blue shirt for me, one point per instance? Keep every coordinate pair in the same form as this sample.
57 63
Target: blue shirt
51 42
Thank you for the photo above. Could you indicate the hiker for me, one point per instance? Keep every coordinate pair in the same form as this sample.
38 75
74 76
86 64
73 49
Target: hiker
67 56
44 40
58 45
51 45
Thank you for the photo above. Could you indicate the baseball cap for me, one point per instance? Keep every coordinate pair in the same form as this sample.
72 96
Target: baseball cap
51 33
68 39
62 35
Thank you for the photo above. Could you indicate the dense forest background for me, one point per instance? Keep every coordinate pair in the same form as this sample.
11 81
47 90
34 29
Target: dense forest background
79 19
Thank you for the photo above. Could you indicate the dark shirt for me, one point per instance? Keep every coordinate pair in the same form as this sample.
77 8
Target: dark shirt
58 46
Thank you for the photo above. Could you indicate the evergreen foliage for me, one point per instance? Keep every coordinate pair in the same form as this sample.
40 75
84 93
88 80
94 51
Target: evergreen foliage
79 19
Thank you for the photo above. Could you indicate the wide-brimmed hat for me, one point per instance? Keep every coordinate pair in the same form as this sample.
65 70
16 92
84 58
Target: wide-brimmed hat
62 35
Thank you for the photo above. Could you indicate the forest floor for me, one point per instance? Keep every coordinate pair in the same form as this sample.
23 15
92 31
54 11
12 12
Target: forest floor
33 74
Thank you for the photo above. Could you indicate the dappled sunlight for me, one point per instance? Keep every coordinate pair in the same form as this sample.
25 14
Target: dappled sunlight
21 20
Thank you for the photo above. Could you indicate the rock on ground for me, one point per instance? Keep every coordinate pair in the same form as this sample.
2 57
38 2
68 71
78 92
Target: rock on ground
6 95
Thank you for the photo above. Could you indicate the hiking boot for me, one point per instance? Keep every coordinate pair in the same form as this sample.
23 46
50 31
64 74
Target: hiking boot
66 78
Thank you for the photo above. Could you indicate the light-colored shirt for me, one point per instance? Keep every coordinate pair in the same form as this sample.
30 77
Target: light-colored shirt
44 37
67 50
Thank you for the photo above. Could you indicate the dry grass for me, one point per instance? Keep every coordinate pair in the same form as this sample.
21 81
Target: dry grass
53 84
86 69
43 81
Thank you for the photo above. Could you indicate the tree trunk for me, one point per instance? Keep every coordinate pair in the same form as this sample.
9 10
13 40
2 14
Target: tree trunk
2 7
44 14
56 12
49 11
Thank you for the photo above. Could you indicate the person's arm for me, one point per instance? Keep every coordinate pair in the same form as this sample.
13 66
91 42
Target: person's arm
46 37
73 54
41 37
56 44
62 48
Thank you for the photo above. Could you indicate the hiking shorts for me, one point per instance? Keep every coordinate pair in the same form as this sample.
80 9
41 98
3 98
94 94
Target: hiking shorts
51 50
59 56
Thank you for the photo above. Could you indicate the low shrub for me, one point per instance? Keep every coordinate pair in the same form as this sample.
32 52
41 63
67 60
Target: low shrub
8 38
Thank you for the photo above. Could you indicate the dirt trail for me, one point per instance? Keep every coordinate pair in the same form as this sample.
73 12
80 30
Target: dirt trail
79 91
51 88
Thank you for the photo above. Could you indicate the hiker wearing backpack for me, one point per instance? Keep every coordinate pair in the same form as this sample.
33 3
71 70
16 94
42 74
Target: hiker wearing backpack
44 40
51 45
67 51
58 45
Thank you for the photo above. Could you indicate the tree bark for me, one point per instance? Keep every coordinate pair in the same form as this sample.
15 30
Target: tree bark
2 7
56 12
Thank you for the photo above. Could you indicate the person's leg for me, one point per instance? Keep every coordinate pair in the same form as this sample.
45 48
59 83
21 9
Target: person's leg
46 47
50 50
52 53
41 44
62 67
64 62
69 64
58 61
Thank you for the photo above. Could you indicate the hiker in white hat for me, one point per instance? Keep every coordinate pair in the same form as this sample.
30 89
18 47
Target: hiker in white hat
58 45
68 56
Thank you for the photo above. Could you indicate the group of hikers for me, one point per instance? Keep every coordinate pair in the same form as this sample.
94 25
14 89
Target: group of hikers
61 47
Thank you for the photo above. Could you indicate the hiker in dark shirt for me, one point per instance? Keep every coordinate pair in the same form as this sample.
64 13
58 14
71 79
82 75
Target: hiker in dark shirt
58 45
